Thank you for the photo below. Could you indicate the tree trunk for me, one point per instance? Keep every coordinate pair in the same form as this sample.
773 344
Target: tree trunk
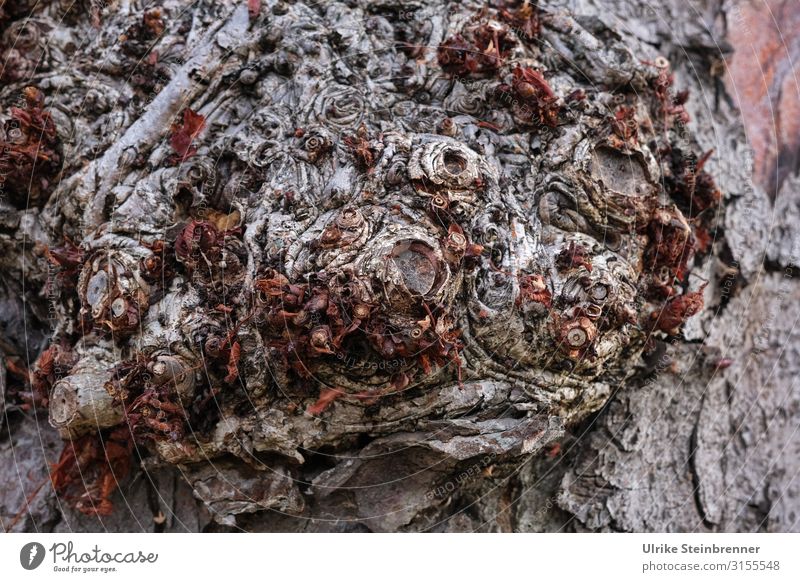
390 266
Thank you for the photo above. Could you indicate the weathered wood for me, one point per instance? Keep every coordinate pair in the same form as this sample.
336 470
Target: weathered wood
80 402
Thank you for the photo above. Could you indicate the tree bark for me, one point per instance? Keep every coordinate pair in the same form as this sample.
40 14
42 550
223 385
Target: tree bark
697 434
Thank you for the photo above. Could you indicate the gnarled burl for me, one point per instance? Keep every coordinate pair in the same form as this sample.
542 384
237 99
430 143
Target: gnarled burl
282 248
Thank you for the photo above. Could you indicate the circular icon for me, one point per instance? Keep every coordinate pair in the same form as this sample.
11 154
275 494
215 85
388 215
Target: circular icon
31 555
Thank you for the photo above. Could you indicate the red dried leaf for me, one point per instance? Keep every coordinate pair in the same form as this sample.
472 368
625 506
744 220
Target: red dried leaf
153 23
90 468
489 125
326 398
524 20
574 256
624 125
196 239
531 97
677 310
703 239
233 362
183 134
553 450
532 288
400 381
482 51
29 157
670 248
540 87
363 150
69 259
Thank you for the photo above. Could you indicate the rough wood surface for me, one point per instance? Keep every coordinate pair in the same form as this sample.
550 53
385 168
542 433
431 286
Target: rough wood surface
698 435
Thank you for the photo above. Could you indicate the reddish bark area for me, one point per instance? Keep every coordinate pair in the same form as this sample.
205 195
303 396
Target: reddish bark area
764 79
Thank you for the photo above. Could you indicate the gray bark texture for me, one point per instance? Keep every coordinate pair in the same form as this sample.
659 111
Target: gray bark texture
389 266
